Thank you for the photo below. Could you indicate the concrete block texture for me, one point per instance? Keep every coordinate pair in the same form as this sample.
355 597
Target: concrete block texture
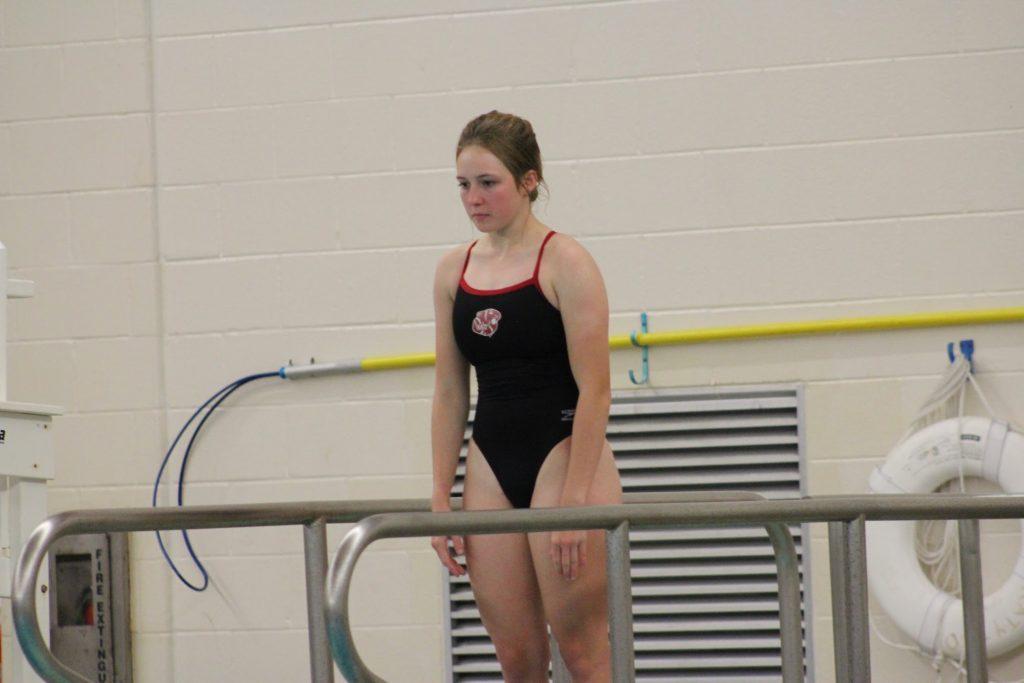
112 227
117 373
189 222
222 295
280 217
129 444
51 21
102 78
391 210
5 160
32 76
41 372
186 73
35 231
214 146
340 137
264 655
65 155
204 190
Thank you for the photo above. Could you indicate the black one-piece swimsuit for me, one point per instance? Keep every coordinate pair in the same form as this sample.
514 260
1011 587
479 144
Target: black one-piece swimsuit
527 395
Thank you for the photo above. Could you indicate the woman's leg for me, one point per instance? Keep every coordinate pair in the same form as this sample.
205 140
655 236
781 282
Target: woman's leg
577 610
504 583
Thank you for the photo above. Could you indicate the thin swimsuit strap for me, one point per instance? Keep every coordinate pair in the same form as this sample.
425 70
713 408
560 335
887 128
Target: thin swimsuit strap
536 269
465 264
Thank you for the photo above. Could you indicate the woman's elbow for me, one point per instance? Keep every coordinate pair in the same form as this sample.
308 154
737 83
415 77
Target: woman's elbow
599 396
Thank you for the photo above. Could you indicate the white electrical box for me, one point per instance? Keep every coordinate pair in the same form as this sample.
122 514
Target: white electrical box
26 463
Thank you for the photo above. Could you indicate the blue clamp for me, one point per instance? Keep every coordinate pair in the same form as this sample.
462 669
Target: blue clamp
966 350
645 373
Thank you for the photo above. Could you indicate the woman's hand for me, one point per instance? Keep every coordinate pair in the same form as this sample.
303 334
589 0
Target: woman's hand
569 552
445 552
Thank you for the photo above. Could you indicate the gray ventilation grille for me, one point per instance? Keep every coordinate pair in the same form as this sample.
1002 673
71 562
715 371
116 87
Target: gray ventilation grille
705 600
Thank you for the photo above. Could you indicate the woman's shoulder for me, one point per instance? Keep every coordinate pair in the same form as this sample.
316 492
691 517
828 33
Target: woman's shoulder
449 266
454 256
566 252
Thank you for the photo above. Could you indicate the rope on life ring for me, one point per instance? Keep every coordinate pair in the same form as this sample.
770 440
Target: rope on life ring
974 447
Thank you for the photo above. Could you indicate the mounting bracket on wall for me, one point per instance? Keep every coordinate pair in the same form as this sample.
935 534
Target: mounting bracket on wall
966 350
644 368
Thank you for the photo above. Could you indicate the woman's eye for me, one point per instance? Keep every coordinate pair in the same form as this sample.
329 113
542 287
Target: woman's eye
487 183
463 185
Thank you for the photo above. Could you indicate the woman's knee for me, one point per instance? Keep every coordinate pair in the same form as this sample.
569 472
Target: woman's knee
585 655
522 661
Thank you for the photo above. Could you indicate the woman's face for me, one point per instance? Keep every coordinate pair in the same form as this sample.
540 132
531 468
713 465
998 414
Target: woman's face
489 192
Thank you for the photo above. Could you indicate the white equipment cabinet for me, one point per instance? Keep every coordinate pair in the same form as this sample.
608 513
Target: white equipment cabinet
26 463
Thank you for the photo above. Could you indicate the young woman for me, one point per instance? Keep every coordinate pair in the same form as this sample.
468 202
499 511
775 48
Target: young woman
527 308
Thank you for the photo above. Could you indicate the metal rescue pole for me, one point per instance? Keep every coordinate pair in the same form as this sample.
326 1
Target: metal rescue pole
314 537
973 600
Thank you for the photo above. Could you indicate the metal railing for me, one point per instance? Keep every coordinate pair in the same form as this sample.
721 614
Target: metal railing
313 517
846 517
616 520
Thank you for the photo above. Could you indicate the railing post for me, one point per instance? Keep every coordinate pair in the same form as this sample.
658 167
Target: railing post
790 630
314 536
973 601
848 568
620 604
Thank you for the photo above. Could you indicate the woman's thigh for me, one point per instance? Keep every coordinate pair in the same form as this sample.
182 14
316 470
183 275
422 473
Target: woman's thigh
574 608
501 568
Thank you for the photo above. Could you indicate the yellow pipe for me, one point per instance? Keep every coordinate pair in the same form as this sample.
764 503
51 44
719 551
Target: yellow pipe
873 323
412 360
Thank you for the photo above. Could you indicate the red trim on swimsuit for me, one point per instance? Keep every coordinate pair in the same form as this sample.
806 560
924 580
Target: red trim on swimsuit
510 288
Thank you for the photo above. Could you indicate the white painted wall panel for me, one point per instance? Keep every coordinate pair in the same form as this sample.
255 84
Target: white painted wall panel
32 78
35 231
112 227
98 78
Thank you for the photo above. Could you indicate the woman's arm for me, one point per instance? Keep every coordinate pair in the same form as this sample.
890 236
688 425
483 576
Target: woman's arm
450 406
451 386
584 306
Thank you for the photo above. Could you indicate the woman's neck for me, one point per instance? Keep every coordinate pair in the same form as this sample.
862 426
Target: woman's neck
516 236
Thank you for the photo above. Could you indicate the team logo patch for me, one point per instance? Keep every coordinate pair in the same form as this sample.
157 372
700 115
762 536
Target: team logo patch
486 322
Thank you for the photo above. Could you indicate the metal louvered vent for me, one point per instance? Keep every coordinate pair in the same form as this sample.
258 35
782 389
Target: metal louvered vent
705 600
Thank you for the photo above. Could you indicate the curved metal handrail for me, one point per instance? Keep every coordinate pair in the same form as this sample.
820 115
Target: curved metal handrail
652 510
26 571
308 514
846 516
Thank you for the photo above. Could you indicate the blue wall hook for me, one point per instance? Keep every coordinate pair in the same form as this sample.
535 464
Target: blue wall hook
966 350
645 373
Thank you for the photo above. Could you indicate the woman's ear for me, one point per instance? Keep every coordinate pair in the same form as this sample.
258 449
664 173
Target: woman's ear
529 182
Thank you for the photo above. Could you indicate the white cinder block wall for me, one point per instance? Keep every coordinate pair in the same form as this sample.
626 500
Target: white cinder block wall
202 190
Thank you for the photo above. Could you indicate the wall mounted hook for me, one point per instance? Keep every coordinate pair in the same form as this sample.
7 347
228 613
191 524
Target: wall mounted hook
966 350
644 371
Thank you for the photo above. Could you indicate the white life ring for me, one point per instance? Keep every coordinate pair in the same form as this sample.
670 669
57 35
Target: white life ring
922 463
